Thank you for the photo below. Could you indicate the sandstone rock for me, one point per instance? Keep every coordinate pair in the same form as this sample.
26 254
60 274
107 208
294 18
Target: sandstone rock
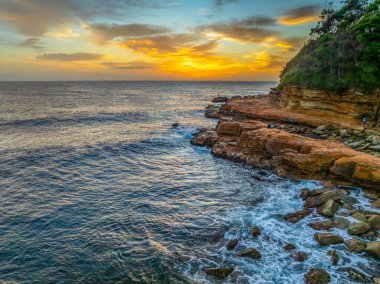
317 276
299 256
255 231
341 223
251 253
373 248
359 216
295 217
358 228
205 137
318 200
322 225
325 239
334 257
232 244
355 245
328 209
289 247
374 221
219 272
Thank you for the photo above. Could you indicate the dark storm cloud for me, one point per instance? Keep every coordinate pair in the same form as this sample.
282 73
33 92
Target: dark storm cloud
70 57
33 42
301 12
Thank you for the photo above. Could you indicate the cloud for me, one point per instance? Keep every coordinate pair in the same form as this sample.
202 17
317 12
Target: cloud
129 65
33 42
106 32
70 57
220 3
257 21
300 15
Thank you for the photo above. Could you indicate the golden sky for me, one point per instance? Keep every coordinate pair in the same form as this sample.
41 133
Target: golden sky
151 40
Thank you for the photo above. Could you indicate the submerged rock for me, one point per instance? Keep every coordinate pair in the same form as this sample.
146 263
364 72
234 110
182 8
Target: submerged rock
334 257
289 247
299 256
317 276
355 245
250 252
296 216
373 248
328 209
325 239
255 231
358 228
219 272
322 225
232 244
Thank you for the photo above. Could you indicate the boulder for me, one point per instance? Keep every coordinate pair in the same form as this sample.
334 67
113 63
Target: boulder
318 191
328 209
251 253
289 247
317 276
334 257
255 231
299 256
376 203
322 225
341 223
325 239
318 200
296 216
359 216
358 228
373 248
219 272
374 221
355 245
232 244
357 276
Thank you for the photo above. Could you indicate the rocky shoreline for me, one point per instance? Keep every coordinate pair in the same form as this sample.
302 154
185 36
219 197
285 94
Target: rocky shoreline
263 133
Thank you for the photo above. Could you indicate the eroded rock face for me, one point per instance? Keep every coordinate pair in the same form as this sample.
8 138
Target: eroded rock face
317 276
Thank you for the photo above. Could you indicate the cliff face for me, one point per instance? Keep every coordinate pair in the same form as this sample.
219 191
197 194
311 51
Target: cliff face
348 104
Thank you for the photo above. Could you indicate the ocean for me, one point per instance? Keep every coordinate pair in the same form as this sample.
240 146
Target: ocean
96 186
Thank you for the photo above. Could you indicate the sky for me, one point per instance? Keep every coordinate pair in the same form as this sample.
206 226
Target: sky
237 40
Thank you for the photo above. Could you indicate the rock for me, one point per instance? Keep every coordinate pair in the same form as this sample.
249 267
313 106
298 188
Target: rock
289 247
373 248
318 191
304 193
232 244
358 228
322 225
325 239
318 200
205 137
359 216
175 125
317 276
376 203
371 235
334 257
328 209
341 223
219 99
374 221
255 231
343 133
250 252
355 245
356 276
299 256
295 217
376 280
371 194
219 272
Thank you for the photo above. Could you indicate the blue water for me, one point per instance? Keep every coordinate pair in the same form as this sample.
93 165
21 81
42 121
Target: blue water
97 187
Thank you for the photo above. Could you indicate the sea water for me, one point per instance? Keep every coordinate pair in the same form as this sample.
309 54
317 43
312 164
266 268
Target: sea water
96 186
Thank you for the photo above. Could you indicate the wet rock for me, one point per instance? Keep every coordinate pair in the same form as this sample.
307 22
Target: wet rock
371 194
376 280
334 257
325 239
251 253
355 245
175 125
373 248
341 223
219 272
296 216
318 191
376 203
317 276
232 244
318 200
371 235
289 247
205 137
358 228
328 209
374 221
255 231
357 276
219 99
359 216
304 193
322 225
299 256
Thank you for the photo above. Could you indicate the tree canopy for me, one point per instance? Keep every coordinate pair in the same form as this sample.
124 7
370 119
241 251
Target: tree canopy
343 51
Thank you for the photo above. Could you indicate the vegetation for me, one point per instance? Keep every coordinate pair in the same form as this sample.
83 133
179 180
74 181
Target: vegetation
343 52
